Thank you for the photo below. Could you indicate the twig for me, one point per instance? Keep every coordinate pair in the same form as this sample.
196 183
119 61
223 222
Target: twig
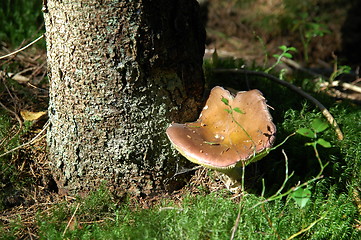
298 90
9 135
24 71
186 170
341 84
14 113
29 232
35 139
357 199
305 229
299 67
38 70
236 223
17 118
71 219
345 86
338 94
23 48
287 177
357 80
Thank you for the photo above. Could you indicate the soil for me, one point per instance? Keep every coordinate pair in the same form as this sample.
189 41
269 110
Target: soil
249 31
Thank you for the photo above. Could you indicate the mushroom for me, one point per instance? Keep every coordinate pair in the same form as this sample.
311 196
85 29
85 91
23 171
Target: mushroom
231 132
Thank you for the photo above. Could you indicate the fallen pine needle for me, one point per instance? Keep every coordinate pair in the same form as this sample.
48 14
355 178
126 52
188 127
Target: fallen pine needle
23 48
305 229
71 219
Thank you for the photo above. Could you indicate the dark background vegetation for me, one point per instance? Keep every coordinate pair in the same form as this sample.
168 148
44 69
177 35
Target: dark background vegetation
20 21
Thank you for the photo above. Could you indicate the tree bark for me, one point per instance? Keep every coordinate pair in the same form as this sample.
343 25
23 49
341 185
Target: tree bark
120 72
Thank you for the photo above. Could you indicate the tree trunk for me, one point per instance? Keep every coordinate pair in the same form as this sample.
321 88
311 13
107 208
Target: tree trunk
120 72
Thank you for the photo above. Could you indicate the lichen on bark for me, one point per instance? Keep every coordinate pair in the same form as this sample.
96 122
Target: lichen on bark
119 73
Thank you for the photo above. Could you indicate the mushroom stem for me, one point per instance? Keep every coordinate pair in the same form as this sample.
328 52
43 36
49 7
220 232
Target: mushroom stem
235 173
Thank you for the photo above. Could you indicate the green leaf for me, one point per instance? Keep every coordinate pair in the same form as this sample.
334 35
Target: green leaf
276 55
228 110
301 196
287 55
225 101
306 132
292 49
283 47
313 144
345 69
236 109
324 143
319 125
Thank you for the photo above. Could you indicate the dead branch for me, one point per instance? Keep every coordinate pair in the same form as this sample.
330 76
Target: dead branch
346 86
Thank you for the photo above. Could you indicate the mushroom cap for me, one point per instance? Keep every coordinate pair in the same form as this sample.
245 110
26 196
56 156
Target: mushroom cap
229 131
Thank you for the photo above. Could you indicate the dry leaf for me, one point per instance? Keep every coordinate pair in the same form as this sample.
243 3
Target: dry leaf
31 116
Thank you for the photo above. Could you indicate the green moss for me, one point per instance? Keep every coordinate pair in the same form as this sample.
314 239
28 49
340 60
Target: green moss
9 175
20 20
210 216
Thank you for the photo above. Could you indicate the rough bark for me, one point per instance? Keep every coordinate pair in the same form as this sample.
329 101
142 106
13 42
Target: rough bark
120 72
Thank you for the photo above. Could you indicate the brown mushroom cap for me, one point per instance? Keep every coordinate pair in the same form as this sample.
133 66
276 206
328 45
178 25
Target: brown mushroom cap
222 138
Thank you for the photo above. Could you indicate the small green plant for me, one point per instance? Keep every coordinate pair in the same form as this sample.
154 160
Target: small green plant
303 18
309 30
339 70
230 110
285 53
317 126
301 196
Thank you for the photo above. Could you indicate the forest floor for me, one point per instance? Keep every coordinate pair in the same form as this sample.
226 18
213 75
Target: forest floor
234 30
